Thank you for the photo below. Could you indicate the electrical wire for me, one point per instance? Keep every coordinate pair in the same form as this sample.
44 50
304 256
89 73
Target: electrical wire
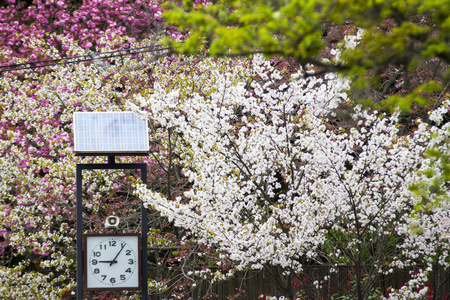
82 58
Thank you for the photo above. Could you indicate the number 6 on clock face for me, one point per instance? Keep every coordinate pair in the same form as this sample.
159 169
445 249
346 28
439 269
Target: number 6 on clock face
112 261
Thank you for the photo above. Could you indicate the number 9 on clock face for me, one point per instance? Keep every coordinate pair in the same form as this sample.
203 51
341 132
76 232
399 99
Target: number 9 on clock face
112 261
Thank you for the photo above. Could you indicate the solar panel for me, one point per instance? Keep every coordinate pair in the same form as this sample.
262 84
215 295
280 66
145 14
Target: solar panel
110 133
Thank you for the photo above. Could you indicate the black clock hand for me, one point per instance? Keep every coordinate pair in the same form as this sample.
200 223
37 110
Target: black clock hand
114 260
106 261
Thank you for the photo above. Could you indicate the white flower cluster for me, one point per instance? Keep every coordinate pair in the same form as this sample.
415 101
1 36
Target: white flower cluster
15 283
350 42
414 288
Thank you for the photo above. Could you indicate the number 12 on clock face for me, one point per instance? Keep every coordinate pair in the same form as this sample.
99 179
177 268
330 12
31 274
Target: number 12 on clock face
112 261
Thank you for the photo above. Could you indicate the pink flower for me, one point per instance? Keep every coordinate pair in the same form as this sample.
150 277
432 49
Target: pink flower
87 45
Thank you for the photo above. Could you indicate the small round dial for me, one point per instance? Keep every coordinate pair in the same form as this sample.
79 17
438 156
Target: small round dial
112 261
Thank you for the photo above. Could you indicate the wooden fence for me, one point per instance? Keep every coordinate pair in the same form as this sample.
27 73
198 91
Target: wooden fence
251 284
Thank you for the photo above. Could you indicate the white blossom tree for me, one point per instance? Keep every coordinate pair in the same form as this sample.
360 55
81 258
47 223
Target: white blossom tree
275 185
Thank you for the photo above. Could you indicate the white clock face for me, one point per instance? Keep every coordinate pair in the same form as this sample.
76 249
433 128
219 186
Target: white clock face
112 261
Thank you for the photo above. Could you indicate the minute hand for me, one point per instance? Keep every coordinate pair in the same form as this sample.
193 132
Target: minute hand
114 259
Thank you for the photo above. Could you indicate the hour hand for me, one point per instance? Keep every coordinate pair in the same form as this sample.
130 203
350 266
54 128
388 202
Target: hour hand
108 261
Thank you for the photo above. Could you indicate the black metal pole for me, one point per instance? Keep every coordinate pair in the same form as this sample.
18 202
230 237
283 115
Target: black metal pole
144 232
79 181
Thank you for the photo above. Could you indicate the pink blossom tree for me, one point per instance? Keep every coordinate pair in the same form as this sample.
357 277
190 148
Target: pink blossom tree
86 22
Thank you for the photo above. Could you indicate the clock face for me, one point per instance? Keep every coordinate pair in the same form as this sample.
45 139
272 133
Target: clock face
112 261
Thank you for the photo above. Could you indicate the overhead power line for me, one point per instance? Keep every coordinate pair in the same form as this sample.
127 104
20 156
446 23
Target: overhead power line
82 58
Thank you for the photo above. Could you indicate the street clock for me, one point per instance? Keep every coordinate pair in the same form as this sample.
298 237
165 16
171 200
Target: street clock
112 261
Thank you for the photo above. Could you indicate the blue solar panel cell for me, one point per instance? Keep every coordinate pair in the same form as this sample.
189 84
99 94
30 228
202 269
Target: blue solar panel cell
110 133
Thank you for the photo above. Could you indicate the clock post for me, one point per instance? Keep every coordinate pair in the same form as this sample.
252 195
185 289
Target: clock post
110 261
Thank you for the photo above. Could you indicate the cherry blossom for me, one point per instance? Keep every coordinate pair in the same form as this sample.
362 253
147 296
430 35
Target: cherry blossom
272 184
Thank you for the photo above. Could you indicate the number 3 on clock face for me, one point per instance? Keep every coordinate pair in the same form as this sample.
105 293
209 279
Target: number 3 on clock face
112 261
